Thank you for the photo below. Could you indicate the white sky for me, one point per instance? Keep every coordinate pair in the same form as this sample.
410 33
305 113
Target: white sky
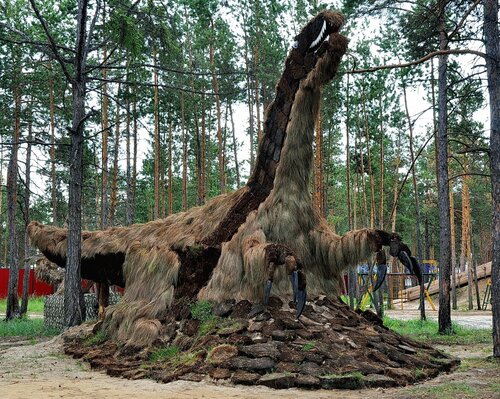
416 99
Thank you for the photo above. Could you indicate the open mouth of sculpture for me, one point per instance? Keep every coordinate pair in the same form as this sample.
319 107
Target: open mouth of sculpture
323 34
317 31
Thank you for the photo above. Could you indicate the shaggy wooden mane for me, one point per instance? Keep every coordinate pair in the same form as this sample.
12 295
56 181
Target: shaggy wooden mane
221 250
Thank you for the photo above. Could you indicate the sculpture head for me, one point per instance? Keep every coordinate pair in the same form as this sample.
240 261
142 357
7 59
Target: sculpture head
317 31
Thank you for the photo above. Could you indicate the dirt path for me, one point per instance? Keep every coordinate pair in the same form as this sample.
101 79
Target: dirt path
43 371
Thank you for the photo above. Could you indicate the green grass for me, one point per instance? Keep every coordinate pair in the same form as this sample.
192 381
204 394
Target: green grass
35 304
201 310
427 331
163 353
208 326
98 338
309 346
29 328
447 390
483 363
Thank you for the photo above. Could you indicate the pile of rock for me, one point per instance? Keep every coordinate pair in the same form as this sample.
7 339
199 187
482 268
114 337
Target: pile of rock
330 346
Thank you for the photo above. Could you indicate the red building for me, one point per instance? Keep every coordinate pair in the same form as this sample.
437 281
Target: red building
35 287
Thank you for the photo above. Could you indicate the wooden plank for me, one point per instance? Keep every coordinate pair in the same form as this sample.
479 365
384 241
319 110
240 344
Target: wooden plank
413 293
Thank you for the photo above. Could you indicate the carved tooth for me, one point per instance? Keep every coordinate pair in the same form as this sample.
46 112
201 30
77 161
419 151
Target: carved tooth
320 36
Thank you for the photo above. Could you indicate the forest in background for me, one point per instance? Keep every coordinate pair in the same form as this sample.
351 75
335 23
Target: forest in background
176 95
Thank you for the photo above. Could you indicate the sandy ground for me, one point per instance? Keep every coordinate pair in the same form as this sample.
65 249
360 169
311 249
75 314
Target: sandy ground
43 371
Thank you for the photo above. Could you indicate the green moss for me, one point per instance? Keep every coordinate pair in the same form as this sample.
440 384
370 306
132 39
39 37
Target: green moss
309 346
164 353
98 338
229 326
201 310
185 359
420 374
207 326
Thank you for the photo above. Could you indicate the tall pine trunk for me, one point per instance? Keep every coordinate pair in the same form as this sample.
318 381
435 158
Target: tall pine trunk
114 176
156 210
444 317
382 166
170 173
12 310
417 203
129 205
453 251
235 148
53 185
134 158
493 67
105 134
184 156
26 215
215 86
370 173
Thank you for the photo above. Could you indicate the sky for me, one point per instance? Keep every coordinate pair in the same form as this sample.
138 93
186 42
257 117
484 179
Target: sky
416 101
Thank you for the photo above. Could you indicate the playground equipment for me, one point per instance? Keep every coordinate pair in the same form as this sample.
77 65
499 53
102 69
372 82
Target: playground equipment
487 295
395 288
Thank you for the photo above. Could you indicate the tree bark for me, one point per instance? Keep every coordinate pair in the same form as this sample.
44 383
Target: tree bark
74 304
203 150
134 159
129 205
184 156
453 251
156 210
352 275
257 94
370 173
465 252
417 204
105 134
52 147
215 86
114 177
12 310
362 173
492 46
382 166
26 214
251 128
235 148
444 316
170 174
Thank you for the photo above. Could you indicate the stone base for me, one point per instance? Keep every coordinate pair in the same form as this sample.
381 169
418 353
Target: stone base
329 347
